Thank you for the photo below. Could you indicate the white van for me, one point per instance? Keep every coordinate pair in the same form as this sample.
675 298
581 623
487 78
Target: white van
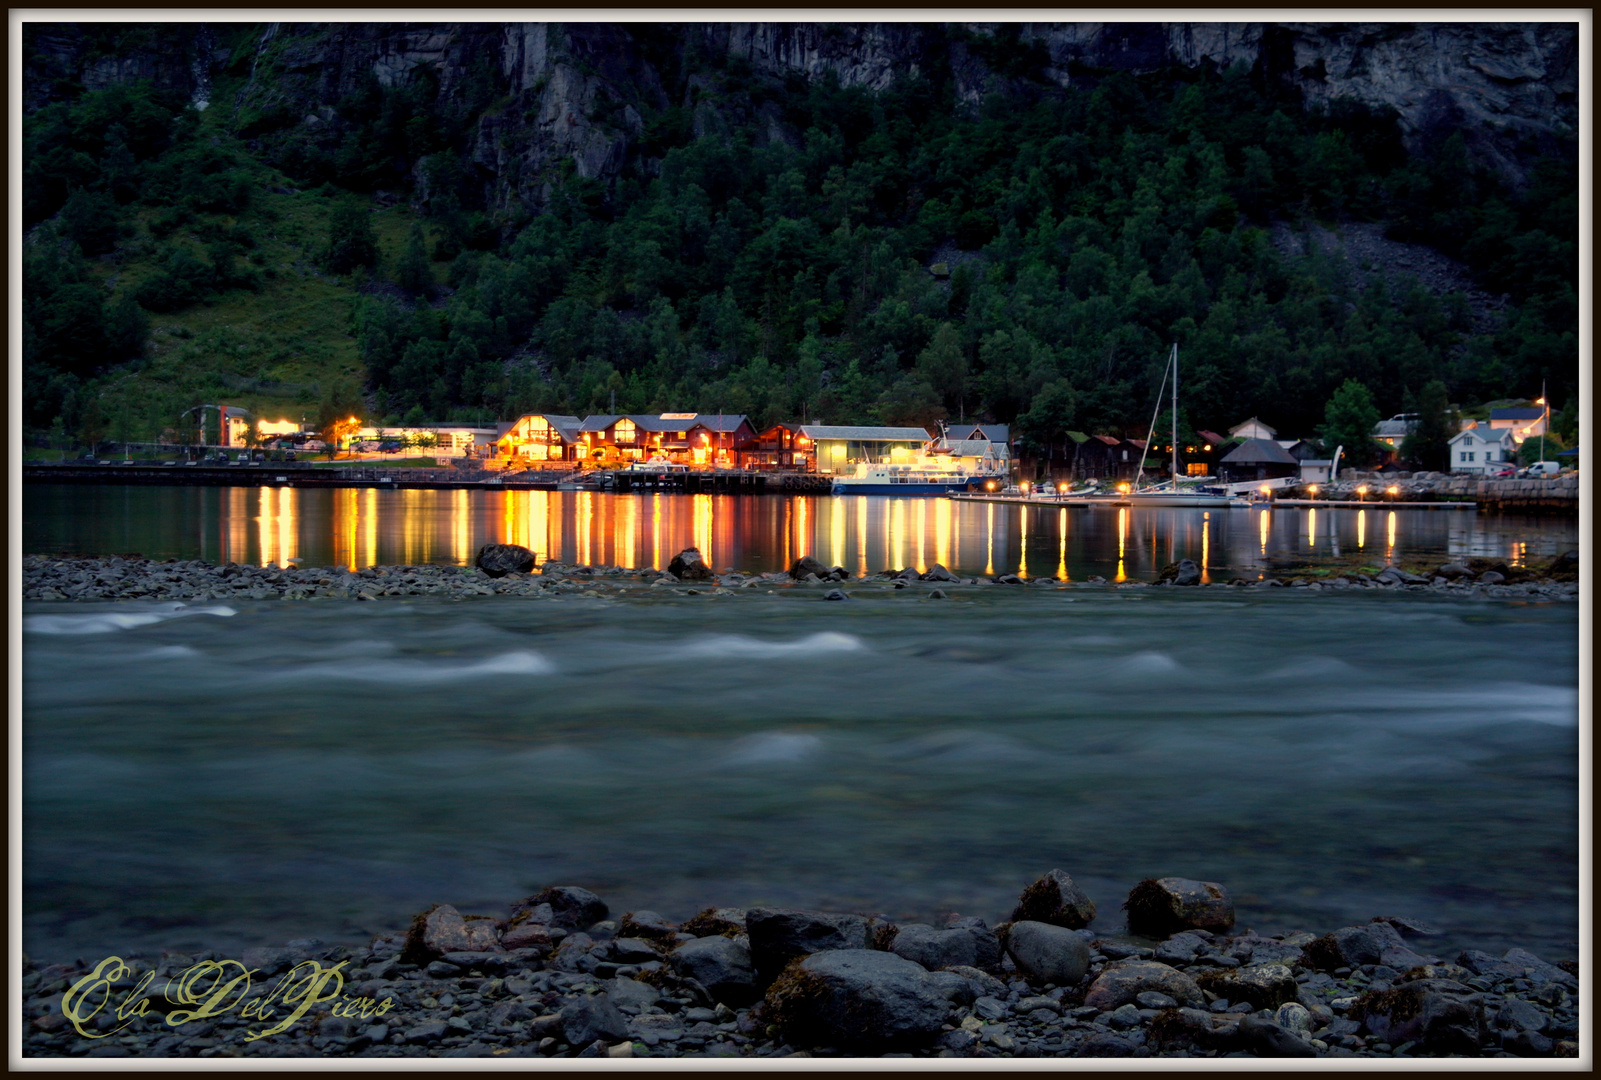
1544 468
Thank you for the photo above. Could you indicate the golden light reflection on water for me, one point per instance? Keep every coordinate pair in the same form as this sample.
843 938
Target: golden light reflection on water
922 534
989 532
1122 542
836 530
861 535
703 527
1022 558
355 528
897 536
1061 531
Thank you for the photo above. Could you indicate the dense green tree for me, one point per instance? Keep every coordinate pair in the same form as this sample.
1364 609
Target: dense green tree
1428 444
1348 422
351 243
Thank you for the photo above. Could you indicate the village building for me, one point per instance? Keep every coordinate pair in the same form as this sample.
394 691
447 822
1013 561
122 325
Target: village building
1251 429
840 448
1257 459
1482 449
1522 422
1105 457
539 437
781 446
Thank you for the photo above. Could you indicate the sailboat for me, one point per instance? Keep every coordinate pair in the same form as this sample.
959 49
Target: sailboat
1170 494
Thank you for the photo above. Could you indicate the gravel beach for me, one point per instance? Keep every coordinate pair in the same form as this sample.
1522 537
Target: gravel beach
558 975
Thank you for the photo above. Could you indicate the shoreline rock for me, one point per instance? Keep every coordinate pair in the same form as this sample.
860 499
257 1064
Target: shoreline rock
53 578
586 988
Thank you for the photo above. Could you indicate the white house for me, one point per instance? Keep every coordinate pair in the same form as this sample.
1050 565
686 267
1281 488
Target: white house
1251 429
1481 449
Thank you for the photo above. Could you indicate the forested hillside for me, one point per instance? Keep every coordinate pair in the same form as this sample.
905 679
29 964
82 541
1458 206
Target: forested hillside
824 252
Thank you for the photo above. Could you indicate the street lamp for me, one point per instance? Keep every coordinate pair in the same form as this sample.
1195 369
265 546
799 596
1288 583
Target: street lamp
1361 492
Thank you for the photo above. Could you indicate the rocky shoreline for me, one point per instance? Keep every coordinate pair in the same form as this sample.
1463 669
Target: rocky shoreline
557 975
116 577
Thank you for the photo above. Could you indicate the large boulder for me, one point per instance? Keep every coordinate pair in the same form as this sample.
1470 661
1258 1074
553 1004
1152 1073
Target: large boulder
860 1000
1057 900
1369 943
939 573
779 935
1265 986
566 906
807 565
498 560
1441 1016
958 946
590 1017
442 929
721 964
1158 907
688 565
1183 572
1121 983
1048 953
1267 1039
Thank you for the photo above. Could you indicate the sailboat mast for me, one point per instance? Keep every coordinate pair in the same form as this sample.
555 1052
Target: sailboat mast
1175 416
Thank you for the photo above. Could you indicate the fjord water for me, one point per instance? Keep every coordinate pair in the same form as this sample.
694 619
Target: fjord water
218 775
356 528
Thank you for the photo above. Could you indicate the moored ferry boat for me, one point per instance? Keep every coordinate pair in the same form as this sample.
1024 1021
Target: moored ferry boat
923 477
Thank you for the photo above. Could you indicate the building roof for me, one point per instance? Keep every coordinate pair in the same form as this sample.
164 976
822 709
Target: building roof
1253 420
710 421
1485 433
1212 437
1258 451
1516 414
975 447
864 434
989 432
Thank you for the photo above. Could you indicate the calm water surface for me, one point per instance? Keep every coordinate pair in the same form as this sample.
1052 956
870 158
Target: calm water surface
865 534
217 776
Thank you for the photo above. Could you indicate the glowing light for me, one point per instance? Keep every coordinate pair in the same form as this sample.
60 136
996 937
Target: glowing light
1392 490
1023 487
1311 528
1123 488
922 534
1022 563
1390 530
1266 490
1363 490
861 535
1122 539
1361 528
942 532
989 485
1061 489
703 526
1263 523
1311 489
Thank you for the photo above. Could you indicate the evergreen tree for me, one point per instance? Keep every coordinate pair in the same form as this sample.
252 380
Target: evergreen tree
350 238
1348 421
1428 444
413 273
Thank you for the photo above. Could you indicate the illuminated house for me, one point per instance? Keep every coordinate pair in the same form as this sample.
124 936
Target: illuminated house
1481 449
1522 422
705 439
540 437
839 449
781 446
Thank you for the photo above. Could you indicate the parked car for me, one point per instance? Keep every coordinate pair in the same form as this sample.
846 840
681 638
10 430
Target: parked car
1508 471
1544 468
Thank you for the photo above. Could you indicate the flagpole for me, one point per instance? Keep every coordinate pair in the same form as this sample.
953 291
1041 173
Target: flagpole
1545 421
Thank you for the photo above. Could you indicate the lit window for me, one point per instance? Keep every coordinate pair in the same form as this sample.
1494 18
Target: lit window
625 431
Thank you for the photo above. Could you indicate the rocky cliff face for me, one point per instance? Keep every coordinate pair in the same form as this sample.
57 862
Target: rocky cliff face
574 93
